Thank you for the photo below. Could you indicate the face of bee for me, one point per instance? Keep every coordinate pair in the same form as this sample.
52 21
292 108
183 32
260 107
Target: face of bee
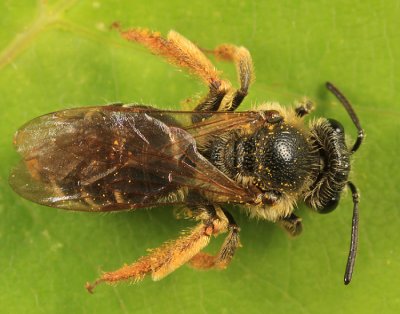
328 138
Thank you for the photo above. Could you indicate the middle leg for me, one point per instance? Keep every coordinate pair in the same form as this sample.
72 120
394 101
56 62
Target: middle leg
230 100
241 57
222 259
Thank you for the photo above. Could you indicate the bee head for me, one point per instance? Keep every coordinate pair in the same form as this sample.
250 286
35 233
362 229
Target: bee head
328 139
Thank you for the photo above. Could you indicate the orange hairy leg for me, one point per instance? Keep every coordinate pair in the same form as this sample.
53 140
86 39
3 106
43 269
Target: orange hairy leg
163 260
182 52
177 50
222 259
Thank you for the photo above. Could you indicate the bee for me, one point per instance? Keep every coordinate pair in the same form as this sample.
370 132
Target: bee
130 156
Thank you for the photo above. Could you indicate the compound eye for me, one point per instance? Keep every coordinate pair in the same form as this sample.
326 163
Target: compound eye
330 205
336 126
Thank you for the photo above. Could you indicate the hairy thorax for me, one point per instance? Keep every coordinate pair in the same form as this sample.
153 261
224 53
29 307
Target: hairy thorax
277 159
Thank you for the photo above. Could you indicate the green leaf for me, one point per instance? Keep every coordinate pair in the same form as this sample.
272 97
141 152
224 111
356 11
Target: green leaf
61 54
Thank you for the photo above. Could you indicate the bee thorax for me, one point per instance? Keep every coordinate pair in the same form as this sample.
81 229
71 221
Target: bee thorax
277 158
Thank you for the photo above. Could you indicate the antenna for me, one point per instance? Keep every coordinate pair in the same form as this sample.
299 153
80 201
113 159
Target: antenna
346 104
351 259
354 236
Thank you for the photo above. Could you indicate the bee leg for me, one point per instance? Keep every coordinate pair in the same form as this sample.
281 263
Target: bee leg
179 51
182 52
216 100
222 259
212 102
304 107
292 225
241 57
163 260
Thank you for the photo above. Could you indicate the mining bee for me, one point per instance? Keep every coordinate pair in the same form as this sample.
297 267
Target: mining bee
125 157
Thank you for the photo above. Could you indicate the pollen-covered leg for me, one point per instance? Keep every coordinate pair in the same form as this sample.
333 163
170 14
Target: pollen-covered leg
182 52
177 50
163 260
170 256
222 259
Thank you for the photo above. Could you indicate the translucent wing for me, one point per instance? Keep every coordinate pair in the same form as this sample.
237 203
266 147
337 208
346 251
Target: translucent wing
114 157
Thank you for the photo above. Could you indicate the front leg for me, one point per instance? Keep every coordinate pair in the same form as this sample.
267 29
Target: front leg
291 224
304 107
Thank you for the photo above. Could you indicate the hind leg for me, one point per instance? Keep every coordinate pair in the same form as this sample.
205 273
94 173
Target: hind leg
173 254
180 51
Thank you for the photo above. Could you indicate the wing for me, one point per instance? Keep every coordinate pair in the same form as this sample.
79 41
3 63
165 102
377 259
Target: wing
114 157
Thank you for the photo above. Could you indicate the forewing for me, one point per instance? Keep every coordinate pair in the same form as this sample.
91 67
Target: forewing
113 158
